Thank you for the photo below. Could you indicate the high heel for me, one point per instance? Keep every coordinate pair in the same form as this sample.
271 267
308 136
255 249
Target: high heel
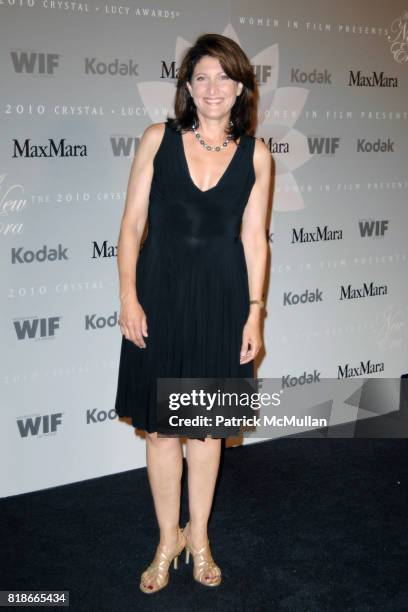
158 571
203 561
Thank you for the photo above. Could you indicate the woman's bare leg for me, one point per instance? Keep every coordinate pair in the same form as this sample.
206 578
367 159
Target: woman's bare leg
164 468
203 459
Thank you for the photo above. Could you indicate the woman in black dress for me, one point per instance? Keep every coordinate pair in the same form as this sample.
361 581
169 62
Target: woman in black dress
191 298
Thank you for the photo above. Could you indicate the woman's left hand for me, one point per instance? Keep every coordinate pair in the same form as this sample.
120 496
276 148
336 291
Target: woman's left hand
251 339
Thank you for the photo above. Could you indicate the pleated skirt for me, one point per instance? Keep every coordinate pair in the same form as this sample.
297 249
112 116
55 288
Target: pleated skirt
194 292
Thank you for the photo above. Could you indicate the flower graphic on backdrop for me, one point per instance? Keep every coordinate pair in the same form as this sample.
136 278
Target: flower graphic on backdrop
279 109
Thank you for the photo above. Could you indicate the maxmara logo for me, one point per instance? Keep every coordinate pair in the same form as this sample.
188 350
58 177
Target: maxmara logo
30 62
373 228
39 425
375 146
306 378
367 290
52 149
299 76
103 250
291 299
276 147
364 368
323 145
320 234
115 67
169 70
93 321
22 255
376 79
36 328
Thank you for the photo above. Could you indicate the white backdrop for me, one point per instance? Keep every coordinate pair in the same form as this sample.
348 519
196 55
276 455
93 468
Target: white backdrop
81 81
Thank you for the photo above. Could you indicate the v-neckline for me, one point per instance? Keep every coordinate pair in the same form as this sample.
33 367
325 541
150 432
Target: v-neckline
222 177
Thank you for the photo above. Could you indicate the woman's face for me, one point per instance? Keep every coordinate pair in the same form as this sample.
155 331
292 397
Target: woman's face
213 92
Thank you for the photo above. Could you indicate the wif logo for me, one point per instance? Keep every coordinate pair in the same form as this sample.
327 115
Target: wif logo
372 228
124 145
263 73
29 62
39 425
322 145
36 329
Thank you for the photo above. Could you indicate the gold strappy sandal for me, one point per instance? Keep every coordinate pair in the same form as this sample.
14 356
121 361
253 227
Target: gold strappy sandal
156 575
203 562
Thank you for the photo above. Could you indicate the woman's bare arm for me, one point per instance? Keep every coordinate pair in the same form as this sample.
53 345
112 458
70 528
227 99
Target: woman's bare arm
136 207
132 319
253 235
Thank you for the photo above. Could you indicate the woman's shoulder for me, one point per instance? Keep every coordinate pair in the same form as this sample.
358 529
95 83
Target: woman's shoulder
262 156
261 149
155 130
152 137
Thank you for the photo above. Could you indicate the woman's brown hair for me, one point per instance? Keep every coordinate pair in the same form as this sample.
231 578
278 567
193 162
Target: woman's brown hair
236 65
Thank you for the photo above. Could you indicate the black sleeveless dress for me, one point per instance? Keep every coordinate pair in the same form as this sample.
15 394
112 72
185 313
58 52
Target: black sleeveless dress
191 280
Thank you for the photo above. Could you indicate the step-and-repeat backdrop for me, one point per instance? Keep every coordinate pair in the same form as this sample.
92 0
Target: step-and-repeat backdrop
80 82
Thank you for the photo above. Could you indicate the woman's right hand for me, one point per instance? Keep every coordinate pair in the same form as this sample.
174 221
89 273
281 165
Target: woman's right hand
133 322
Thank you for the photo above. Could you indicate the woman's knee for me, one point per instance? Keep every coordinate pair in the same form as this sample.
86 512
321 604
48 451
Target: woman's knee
161 441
